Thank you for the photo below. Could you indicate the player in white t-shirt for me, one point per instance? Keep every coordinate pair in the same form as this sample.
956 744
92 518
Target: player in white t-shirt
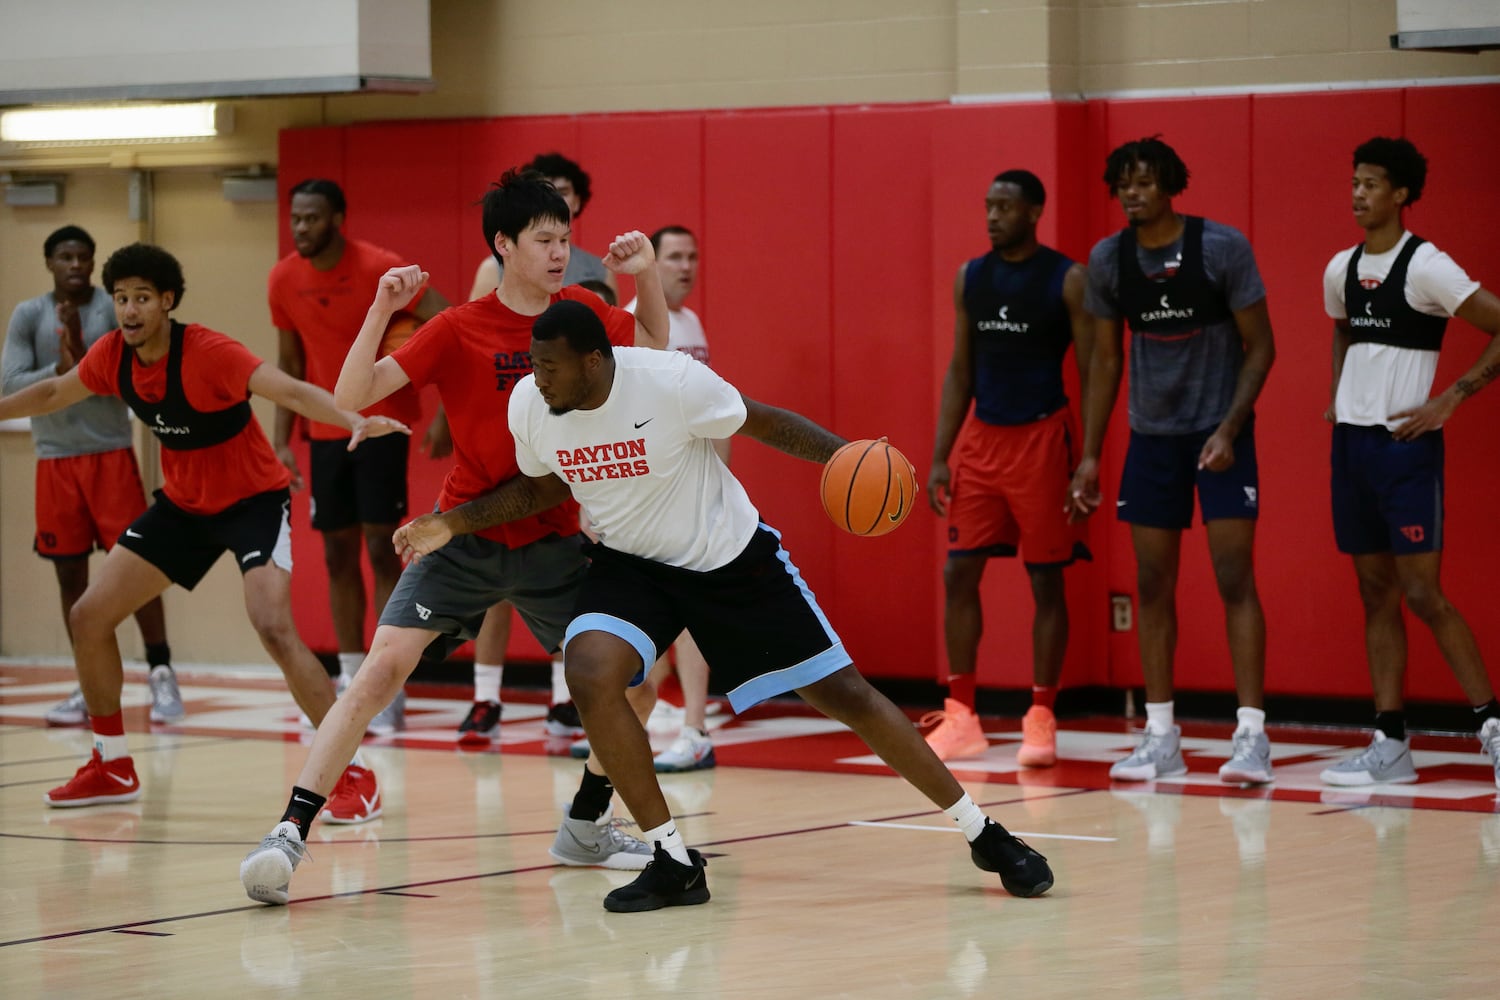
681 545
1390 299
677 263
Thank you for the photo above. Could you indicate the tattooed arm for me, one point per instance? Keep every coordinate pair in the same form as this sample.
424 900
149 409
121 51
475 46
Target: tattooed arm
1483 310
517 497
789 432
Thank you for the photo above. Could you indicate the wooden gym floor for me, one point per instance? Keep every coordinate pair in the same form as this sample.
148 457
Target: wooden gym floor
830 877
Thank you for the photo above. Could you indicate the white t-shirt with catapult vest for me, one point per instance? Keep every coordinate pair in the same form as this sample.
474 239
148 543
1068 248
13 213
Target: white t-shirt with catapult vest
1379 379
641 464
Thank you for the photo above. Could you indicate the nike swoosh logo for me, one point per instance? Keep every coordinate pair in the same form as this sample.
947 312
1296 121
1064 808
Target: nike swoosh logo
591 848
370 803
133 534
250 555
643 423
298 798
124 781
697 877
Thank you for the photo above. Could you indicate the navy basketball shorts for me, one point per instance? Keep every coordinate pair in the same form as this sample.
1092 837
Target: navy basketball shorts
363 486
185 546
449 591
1387 494
1161 474
754 619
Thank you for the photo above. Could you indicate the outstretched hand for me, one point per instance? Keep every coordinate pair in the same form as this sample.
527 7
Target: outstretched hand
421 536
374 427
630 253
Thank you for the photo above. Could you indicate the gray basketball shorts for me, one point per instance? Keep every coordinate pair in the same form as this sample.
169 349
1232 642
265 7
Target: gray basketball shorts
450 590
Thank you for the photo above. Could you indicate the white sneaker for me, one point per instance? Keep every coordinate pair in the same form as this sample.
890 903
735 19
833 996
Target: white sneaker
1489 738
692 751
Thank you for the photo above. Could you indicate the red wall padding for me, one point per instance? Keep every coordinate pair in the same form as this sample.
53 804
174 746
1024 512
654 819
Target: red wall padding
830 238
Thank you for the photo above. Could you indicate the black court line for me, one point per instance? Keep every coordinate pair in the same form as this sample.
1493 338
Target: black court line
146 933
401 890
409 895
319 844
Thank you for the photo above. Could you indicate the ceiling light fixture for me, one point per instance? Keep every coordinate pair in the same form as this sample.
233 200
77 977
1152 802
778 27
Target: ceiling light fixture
119 123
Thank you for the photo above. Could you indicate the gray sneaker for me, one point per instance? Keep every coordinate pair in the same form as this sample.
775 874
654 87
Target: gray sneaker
390 719
1249 760
1384 762
69 712
1159 755
166 700
602 844
266 872
1489 738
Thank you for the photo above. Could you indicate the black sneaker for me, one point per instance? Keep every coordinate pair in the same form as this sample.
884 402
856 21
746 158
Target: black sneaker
664 882
563 720
1022 871
482 724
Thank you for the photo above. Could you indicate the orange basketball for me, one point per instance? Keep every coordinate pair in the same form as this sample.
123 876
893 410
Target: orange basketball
398 331
868 487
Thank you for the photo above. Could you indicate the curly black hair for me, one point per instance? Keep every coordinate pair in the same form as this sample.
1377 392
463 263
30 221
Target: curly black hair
142 260
1155 155
1403 164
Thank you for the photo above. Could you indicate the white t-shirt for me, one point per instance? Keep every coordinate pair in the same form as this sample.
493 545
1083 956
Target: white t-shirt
641 464
1380 379
684 331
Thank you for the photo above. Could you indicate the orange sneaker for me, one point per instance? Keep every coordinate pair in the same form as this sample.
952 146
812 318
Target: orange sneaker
957 732
1038 738
355 799
97 782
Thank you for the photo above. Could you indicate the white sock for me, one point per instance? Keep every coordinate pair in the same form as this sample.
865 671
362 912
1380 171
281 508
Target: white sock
358 760
968 817
1159 716
668 839
559 684
1253 719
111 747
349 663
487 681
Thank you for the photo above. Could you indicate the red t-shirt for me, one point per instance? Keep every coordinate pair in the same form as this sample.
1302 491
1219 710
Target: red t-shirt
475 354
215 376
326 309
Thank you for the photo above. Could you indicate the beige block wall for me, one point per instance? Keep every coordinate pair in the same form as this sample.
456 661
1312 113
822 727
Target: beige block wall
583 56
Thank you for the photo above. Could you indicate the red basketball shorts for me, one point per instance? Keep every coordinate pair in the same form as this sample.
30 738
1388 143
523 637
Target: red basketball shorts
1008 489
86 501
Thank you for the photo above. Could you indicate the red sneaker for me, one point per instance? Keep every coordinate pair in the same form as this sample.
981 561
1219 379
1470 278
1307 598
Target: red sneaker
97 782
355 799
